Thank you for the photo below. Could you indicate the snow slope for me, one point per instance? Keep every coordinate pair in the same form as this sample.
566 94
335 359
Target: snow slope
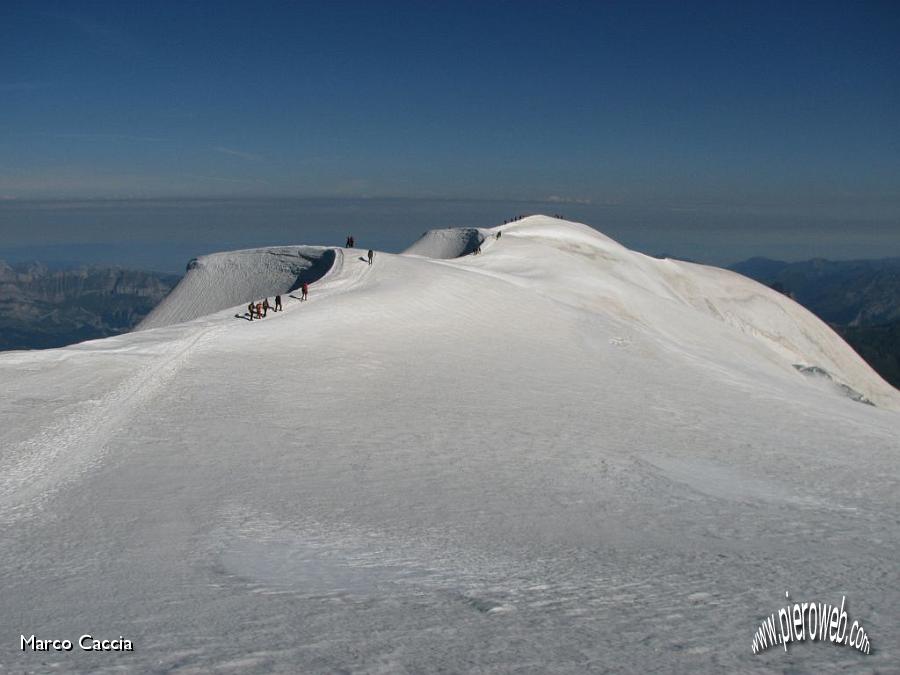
557 456
451 242
222 280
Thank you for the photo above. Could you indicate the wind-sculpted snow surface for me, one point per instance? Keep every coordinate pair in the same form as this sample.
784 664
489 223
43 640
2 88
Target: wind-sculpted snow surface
222 280
558 456
451 242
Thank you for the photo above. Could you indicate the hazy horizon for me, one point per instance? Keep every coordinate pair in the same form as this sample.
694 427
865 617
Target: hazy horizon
163 234
148 134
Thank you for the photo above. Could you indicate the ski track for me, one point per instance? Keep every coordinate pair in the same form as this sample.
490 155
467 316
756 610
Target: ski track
71 446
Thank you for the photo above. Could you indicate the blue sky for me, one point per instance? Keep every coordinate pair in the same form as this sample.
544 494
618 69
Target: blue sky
648 120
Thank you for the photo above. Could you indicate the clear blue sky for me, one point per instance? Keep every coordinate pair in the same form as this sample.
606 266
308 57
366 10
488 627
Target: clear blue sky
741 120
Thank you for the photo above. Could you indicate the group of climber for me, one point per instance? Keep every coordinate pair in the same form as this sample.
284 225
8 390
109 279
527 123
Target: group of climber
260 310
513 219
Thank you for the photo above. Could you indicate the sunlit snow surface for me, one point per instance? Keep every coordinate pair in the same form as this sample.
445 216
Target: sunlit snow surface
556 456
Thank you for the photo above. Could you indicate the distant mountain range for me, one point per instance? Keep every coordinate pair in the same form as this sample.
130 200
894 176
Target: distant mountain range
841 292
42 307
860 299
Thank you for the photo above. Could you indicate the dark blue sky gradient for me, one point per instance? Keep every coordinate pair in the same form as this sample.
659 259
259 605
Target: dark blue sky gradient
741 120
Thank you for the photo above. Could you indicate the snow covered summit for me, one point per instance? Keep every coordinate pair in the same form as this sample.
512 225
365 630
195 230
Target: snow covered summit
689 307
557 455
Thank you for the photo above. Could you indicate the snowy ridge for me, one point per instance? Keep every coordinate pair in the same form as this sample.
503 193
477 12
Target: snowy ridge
573 264
222 280
556 456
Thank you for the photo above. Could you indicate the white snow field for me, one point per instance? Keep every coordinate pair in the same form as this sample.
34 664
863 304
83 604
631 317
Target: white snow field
558 456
